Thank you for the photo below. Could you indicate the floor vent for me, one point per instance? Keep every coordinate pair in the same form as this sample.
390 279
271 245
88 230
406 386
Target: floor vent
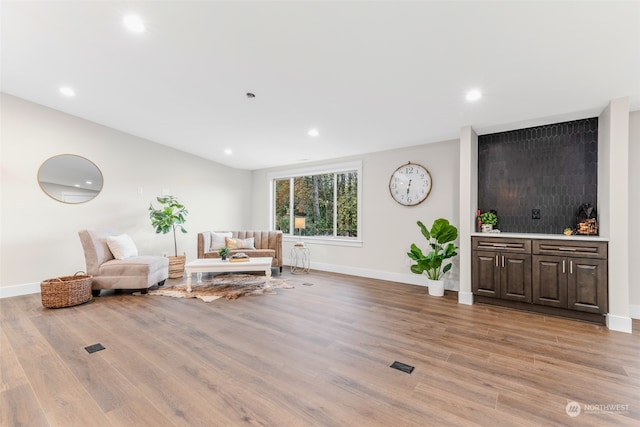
307 284
93 348
402 367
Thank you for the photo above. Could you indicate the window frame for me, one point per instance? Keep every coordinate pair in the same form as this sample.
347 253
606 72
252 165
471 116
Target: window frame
333 168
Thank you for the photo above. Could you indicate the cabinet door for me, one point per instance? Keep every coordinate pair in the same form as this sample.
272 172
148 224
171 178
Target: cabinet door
515 277
587 285
485 279
549 281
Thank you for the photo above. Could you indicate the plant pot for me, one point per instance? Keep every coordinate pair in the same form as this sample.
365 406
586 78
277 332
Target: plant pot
487 228
176 266
436 287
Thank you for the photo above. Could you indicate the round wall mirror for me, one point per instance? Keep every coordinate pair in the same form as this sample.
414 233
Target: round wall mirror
70 179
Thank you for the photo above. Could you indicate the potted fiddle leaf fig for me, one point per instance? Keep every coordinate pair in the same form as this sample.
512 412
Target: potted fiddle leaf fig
439 239
169 217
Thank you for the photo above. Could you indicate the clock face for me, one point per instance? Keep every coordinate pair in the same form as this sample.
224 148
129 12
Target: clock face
410 184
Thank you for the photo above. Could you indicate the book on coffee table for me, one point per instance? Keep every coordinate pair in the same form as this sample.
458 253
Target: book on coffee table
240 257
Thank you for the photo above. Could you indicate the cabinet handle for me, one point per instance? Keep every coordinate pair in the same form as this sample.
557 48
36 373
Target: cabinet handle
502 261
570 267
563 270
496 260
567 249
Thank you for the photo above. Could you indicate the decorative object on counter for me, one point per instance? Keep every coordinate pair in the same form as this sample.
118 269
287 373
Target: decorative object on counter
170 216
478 222
489 221
567 231
439 238
224 253
586 220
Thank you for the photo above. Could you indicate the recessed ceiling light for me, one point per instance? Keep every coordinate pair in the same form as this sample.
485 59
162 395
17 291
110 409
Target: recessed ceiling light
473 95
228 151
313 132
134 23
88 182
67 91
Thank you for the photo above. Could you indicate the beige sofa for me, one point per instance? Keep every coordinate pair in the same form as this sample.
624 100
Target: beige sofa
265 244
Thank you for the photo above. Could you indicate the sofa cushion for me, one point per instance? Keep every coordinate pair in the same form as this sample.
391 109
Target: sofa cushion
122 246
218 240
235 243
135 266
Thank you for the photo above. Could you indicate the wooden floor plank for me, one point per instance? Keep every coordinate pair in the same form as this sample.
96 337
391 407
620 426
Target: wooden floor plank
315 355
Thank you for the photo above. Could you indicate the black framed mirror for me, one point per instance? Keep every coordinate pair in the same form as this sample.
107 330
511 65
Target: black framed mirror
69 178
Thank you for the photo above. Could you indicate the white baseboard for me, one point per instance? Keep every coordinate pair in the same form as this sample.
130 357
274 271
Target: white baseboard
17 290
465 298
407 278
634 311
619 323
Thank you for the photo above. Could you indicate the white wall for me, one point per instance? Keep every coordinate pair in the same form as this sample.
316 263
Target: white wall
39 236
634 213
388 229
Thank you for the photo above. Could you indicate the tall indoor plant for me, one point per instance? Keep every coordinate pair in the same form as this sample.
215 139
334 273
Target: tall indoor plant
440 238
169 217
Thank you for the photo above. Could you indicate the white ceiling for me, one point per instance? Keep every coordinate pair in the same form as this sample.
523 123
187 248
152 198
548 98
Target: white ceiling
370 76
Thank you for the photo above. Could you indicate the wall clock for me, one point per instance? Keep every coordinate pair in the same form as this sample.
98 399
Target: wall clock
410 184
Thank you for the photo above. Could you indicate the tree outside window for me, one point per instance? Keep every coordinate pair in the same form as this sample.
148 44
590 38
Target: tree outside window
328 201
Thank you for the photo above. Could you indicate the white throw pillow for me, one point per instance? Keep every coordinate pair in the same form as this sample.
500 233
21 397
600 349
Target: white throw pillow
247 243
218 240
122 246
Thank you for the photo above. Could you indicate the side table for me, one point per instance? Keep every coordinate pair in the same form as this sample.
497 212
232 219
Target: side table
300 259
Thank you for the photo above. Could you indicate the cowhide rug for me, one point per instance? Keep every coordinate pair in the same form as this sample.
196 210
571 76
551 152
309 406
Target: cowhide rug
229 286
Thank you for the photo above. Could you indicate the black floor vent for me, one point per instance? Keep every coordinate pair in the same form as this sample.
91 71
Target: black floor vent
307 284
402 367
93 348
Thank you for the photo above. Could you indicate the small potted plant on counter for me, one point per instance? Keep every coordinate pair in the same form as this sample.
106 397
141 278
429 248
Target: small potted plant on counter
489 220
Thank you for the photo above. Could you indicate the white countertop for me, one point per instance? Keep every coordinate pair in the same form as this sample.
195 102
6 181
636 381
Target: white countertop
542 236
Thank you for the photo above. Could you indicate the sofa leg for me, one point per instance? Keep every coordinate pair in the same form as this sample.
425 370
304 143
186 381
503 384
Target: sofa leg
161 283
95 292
280 269
143 291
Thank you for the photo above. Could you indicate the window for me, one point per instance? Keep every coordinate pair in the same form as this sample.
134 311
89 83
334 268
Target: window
321 203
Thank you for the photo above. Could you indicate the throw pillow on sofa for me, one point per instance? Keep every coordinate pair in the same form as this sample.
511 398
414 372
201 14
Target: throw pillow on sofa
122 246
218 240
233 243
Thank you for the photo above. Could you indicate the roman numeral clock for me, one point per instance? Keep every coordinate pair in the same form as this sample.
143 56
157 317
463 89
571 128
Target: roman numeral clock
410 184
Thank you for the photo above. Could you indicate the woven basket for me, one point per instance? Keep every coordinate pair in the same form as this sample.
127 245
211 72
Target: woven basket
66 291
176 266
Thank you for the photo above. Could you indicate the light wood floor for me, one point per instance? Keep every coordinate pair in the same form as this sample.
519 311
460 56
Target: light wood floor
310 356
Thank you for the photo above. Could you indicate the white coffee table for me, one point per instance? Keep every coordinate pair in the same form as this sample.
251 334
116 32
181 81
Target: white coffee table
216 265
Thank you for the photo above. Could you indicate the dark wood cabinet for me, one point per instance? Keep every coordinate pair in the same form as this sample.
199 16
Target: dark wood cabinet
570 275
559 277
502 268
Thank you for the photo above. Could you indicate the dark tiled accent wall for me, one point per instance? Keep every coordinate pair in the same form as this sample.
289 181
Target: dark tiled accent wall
553 168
